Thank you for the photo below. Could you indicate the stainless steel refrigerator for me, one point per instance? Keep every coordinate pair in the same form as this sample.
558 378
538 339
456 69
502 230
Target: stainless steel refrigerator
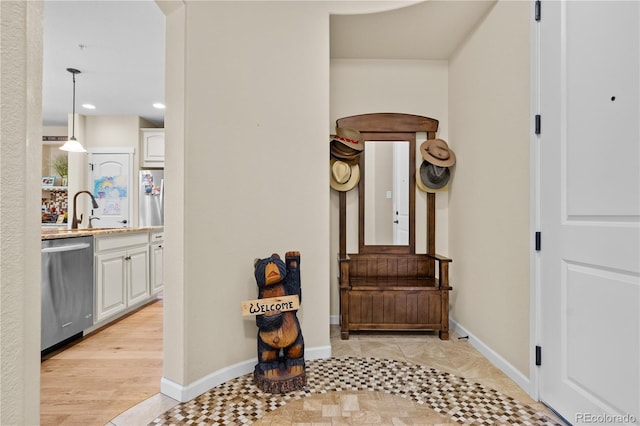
151 198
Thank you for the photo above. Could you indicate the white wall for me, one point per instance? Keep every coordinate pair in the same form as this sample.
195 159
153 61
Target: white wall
365 86
489 205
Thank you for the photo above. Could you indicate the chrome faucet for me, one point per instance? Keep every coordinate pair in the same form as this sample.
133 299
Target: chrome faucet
75 221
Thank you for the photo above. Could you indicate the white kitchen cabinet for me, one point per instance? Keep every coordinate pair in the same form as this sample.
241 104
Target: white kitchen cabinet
111 284
122 273
152 147
156 249
138 269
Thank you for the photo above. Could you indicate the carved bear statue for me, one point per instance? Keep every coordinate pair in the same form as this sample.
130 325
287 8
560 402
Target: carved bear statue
280 342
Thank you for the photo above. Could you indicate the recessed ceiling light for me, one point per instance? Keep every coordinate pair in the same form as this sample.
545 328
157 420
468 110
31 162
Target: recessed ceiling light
159 105
88 106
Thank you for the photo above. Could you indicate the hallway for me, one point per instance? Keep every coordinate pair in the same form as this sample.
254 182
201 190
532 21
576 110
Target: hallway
376 379
113 377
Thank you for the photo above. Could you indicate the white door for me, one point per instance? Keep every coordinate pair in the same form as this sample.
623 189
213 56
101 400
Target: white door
110 180
590 210
401 193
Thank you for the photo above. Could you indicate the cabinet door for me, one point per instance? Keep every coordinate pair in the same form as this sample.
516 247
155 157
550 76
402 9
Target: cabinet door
138 271
153 148
111 280
157 265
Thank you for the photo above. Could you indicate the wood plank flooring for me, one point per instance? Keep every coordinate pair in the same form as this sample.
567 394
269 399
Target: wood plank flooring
105 373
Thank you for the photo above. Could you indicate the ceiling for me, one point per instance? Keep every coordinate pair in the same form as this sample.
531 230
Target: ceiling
425 30
119 48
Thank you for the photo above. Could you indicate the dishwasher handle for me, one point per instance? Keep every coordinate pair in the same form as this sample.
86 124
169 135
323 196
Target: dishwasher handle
70 247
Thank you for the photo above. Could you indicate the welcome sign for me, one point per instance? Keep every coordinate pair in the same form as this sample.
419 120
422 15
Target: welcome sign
272 304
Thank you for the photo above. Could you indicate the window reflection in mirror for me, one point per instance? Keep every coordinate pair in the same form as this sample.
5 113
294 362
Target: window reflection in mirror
386 198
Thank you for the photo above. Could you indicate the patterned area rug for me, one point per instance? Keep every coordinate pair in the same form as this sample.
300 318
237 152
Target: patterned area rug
238 401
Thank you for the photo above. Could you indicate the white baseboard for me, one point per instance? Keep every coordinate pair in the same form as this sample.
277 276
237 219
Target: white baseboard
187 393
334 319
494 358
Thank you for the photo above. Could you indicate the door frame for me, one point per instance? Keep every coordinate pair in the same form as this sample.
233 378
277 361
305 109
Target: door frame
535 316
401 170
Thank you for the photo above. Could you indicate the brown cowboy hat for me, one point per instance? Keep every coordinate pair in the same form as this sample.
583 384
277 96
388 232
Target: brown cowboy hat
348 137
437 152
345 154
343 177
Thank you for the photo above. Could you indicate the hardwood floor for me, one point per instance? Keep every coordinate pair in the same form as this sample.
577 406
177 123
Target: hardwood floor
105 373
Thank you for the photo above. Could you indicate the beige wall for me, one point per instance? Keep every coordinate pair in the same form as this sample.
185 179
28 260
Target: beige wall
50 150
20 174
248 125
249 121
363 86
103 132
270 104
489 206
114 131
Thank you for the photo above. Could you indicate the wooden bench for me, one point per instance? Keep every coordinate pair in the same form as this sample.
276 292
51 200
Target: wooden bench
394 292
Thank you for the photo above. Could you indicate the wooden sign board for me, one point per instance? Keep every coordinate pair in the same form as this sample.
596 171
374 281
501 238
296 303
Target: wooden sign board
263 306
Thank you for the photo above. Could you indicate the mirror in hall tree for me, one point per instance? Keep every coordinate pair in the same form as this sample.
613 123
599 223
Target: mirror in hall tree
387 201
387 193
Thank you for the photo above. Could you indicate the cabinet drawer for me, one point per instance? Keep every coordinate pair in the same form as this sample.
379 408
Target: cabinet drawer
156 237
121 241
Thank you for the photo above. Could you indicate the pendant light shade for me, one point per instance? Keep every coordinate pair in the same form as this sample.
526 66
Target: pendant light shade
72 145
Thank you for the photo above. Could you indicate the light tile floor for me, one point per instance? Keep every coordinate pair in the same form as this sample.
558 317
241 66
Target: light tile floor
464 379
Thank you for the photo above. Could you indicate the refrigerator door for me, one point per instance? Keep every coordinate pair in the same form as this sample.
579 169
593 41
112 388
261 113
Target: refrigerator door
151 198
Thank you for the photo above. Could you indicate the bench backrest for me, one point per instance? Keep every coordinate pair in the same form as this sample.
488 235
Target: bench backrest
389 266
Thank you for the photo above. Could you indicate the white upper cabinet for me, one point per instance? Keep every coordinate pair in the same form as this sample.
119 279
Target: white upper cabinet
152 147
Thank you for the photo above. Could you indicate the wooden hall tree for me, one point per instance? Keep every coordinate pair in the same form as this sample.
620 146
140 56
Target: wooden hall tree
391 287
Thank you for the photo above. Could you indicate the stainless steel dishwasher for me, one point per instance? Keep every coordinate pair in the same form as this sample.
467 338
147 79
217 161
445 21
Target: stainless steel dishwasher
67 288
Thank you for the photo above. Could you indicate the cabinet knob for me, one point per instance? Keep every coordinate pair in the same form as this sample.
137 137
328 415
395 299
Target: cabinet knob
127 258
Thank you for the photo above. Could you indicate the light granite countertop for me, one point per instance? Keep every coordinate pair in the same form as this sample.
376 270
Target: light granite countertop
53 233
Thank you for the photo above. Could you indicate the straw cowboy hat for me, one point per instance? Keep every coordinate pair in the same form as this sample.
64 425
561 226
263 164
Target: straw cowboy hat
432 178
344 177
437 152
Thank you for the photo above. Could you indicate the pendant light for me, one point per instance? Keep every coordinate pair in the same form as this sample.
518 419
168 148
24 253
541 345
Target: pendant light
72 145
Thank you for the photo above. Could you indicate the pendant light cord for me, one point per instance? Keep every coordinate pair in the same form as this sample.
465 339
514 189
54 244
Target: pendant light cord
73 72
72 144
73 116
